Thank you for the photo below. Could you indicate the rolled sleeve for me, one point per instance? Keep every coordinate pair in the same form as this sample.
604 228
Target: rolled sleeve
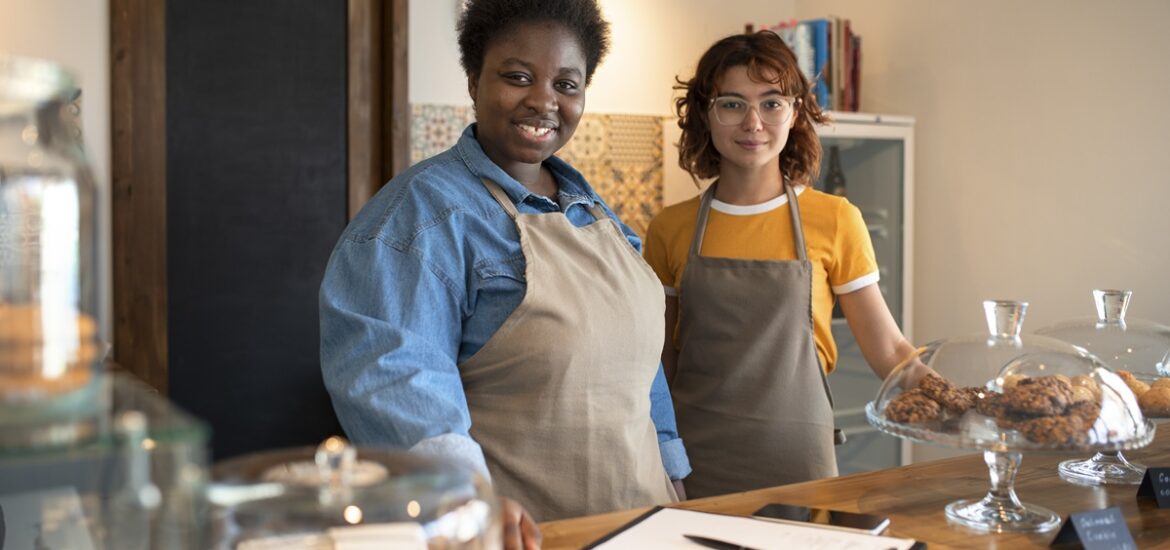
670 445
388 351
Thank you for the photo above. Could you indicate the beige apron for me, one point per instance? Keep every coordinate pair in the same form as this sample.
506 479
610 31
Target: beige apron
751 398
560 394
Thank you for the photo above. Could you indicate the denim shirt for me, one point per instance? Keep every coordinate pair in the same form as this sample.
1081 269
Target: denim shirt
419 281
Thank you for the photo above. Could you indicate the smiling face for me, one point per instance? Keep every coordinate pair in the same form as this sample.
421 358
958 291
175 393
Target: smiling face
750 146
529 96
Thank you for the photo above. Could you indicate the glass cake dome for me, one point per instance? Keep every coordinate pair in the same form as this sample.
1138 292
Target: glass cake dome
337 496
1137 350
1005 393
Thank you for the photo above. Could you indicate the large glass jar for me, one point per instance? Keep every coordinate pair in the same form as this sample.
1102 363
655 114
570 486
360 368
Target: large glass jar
1136 349
1007 394
339 496
48 260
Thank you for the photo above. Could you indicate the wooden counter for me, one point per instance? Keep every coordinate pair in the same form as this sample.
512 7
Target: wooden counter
914 496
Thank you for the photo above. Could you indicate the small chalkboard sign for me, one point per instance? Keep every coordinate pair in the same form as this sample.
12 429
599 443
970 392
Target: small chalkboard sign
1156 484
1096 530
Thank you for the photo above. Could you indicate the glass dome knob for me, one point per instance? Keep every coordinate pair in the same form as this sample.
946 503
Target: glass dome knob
1005 318
1112 305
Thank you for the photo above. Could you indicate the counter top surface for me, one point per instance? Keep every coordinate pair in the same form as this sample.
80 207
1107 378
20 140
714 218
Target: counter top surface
914 496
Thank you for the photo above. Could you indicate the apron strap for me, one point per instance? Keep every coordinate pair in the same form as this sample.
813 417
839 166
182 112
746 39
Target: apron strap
501 197
797 226
701 222
802 255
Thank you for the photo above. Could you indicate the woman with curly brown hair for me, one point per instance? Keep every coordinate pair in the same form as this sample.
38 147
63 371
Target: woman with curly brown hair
752 268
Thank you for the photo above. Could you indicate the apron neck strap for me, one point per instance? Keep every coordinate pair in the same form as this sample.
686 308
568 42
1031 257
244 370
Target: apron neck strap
701 222
501 197
797 227
705 209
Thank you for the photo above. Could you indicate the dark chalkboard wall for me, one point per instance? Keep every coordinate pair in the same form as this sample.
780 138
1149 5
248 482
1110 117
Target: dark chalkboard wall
256 198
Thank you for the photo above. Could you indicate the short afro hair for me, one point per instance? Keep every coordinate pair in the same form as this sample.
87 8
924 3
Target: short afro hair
483 21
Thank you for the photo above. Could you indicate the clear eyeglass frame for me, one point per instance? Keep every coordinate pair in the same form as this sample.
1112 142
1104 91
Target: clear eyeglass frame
772 110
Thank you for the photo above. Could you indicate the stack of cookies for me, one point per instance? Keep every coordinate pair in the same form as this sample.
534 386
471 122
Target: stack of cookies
1049 410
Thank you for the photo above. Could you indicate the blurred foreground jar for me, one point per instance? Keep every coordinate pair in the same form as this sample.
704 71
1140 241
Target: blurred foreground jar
337 496
48 259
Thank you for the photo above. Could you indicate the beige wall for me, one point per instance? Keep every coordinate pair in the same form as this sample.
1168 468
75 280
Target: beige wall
74 33
653 40
1042 137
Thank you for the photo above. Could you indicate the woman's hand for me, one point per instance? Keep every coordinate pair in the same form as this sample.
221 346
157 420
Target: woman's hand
520 531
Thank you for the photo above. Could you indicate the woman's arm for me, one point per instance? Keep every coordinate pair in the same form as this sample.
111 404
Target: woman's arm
390 330
878 336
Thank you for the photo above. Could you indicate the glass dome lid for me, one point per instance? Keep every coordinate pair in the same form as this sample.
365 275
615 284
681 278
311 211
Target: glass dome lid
1007 392
1136 349
337 494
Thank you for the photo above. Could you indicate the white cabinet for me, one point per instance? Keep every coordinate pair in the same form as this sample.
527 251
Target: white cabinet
877 160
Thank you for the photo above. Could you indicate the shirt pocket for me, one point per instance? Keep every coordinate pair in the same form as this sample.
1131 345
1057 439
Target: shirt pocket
499 284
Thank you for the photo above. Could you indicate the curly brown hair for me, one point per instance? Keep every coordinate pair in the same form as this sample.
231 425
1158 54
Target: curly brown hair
767 59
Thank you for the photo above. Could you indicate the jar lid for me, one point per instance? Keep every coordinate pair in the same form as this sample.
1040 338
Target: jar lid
331 490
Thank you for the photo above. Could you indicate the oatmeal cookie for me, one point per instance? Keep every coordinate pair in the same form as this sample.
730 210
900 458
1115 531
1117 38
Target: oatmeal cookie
1088 411
1011 380
988 402
934 386
1082 394
1087 382
1160 383
912 407
1055 430
1043 396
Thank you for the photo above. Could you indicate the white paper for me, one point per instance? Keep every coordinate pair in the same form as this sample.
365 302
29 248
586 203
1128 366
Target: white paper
665 530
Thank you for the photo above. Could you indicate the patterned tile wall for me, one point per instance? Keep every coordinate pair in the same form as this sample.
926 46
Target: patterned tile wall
620 155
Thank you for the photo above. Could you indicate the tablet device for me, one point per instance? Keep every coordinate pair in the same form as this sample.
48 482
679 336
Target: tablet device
823 517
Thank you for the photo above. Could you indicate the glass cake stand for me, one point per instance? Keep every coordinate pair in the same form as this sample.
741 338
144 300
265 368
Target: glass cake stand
1135 348
1008 394
340 496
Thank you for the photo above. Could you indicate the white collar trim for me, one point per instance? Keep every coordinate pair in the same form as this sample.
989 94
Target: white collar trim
753 209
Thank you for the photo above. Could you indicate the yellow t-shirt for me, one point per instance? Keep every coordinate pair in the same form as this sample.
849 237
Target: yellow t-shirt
835 235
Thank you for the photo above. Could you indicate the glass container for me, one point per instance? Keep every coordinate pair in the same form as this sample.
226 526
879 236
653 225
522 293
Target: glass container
1136 349
137 482
49 347
1007 394
337 495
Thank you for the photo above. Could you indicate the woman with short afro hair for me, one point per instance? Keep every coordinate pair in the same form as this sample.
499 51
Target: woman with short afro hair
487 306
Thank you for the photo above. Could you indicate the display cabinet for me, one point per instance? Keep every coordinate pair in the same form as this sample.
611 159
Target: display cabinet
870 159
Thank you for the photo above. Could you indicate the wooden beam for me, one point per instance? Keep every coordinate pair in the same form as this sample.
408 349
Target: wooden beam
395 92
364 65
139 187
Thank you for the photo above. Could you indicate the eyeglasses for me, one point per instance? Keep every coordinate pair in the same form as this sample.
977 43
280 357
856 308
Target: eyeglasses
731 110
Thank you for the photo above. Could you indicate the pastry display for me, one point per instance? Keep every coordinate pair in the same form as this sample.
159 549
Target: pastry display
1009 394
1047 410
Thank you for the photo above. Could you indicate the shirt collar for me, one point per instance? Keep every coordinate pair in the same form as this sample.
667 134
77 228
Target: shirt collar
572 185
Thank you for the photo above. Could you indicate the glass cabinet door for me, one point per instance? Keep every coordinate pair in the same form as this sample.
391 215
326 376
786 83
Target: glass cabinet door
867 162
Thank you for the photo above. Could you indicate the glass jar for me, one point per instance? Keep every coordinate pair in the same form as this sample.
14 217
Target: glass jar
336 495
49 281
1006 393
1136 349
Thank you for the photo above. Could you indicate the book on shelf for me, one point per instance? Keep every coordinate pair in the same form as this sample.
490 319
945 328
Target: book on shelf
828 53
